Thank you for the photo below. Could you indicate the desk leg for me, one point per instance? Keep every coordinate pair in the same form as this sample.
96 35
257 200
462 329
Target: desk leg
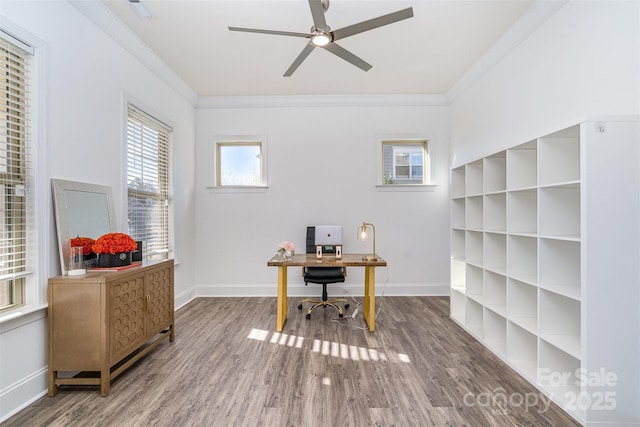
281 314
370 297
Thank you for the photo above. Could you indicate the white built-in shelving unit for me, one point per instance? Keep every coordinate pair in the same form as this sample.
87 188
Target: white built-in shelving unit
544 263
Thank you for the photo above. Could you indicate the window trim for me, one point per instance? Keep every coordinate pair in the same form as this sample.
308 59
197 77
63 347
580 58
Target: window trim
397 139
214 162
38 231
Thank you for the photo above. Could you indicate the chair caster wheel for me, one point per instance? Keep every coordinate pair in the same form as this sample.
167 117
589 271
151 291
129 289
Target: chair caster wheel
308 316
300 307
346 306
340 315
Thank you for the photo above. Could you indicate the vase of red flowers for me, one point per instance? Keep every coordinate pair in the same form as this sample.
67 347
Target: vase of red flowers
114 250
86 243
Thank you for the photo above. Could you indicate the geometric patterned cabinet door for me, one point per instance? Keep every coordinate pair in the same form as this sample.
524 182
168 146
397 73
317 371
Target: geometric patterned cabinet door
97 320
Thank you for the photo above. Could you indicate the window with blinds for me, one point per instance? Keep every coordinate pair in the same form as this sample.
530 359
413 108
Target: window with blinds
148 181
15 172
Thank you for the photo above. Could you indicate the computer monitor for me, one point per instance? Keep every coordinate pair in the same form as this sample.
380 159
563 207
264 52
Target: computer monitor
328 235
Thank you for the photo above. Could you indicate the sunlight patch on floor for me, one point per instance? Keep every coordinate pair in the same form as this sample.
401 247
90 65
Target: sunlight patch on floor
328 348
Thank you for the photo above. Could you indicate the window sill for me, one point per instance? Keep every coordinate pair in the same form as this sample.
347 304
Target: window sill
21 316
238 189
407 187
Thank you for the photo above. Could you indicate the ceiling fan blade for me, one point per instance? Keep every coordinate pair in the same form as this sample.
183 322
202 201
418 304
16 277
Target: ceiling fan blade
372 23
348 56
317 12
303 55
275 32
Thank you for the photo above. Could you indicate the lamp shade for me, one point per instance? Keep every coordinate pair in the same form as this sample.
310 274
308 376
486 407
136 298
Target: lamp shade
363 235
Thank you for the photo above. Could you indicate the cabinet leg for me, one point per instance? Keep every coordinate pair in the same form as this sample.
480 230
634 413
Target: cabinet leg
53 388
172 333
105 382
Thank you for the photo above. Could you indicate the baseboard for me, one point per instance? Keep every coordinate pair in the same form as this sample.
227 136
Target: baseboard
300 290
23 393
185 297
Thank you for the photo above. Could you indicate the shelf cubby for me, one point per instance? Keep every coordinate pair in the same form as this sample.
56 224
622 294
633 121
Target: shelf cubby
559 156
457 305
560 211
458 275
495 293
522 305
560 267
458 213
475 283
473 178
473 318
457 243
522 258
522 216
457 182
557 374
522 166
495 212
473 212
495 173
560 322
495 252
495 332
522 350
473 247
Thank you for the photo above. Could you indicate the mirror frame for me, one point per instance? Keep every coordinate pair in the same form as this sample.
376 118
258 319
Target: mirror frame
59 187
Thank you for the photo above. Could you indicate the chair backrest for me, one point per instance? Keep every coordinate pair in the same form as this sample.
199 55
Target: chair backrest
320 274
311 240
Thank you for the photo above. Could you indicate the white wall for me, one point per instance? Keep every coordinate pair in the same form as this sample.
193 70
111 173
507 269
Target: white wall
322 170
583 61
87 78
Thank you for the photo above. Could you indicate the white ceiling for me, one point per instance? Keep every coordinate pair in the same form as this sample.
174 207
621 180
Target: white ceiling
426 54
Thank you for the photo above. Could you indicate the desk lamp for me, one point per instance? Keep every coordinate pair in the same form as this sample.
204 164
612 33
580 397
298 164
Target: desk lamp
362 235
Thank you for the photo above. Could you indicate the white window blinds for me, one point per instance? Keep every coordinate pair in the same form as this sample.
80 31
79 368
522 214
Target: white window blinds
148 168
15 170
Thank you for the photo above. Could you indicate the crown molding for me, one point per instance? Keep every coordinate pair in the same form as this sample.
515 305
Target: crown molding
102 16
529 22
322 101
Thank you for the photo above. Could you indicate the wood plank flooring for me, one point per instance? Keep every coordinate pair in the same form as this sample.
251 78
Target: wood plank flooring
227 367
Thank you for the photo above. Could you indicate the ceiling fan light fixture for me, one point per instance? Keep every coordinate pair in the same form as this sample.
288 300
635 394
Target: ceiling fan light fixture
320 38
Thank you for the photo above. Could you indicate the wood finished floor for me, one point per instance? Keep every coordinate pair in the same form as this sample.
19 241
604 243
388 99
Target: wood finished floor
227 367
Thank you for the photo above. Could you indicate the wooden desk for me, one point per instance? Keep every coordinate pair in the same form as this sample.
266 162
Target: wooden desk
309 260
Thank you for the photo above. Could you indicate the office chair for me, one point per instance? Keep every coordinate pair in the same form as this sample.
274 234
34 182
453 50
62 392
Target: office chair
323 276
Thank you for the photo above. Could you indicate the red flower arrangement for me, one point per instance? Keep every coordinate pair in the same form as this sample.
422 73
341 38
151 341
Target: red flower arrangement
114 243
85 242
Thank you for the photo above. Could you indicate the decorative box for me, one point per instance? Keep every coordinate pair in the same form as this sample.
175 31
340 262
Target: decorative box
114 260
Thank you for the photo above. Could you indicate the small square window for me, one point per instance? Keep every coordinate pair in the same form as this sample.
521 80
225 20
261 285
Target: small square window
404 162
239 163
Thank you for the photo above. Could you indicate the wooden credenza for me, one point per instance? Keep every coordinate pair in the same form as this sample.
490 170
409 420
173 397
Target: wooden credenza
101 323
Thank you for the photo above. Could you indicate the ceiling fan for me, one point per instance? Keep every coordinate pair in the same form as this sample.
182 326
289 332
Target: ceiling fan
322 36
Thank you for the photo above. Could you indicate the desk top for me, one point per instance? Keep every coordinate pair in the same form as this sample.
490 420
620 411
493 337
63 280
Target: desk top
310 260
